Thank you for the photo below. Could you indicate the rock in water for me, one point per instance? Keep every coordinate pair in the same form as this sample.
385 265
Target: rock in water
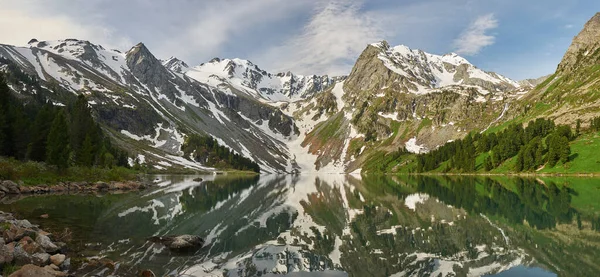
180 243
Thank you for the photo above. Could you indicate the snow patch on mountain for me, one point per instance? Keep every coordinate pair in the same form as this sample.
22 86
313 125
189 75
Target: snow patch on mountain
247 78
432 71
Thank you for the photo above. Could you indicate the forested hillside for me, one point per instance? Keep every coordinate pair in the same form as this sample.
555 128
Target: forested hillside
61 135
207 151
540 143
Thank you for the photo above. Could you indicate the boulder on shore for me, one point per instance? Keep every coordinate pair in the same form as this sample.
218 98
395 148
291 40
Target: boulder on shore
179 243
36 271
9 187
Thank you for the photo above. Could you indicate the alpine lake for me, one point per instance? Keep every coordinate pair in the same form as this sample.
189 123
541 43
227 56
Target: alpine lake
334 225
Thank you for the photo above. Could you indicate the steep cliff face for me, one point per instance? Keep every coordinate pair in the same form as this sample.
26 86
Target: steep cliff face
573 91
583 51
398 84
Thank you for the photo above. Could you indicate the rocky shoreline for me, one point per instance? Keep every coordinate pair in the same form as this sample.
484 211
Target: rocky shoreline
32 249
8 187
35 252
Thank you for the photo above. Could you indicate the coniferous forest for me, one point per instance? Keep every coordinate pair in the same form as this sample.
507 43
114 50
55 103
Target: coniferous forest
60 135
541 143
207 151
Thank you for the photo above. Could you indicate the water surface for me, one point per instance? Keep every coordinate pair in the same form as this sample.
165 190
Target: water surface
338 225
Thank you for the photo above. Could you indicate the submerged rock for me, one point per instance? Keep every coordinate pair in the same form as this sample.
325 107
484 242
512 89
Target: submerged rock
179 243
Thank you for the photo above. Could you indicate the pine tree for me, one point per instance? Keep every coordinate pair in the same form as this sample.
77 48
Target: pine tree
58 150
5 127
36 150
565 150
86 152
520 162
488 164
19 131
539 155
82 125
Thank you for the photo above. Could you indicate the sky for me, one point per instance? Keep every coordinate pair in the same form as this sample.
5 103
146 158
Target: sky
517 38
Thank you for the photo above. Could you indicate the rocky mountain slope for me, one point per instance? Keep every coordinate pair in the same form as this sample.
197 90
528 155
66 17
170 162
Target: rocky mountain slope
394 98
149 107
573 91
305 123
398 98
248 78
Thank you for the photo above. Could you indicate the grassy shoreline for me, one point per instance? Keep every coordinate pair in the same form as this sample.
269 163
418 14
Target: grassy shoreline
31 173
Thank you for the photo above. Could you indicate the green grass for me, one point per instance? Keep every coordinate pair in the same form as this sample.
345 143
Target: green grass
5 226
426 122
9 269
330 128
584 156
35 173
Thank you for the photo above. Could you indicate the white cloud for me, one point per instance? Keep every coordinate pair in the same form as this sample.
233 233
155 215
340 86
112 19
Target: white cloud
329 43
215 25
475 37
18 26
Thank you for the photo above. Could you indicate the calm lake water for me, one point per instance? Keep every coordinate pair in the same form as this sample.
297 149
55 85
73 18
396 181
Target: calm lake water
338 225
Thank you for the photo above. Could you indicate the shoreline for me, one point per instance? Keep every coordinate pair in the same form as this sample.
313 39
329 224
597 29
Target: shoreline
31 251
591 175
28 250
11 188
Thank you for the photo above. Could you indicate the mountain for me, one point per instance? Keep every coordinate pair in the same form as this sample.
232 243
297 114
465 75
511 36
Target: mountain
532 83
422 72
397 97
573 91
247 78
149 106
394 98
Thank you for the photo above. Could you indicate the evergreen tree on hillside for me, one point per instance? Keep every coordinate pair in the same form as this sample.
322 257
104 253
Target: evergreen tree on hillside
36 150
5 127
20 131
86 152
82 127
488 165
58 150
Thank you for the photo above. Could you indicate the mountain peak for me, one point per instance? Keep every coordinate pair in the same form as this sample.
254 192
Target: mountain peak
139 47
583 49
176 65
420 72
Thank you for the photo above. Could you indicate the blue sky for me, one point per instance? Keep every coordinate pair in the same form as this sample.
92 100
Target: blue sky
519 39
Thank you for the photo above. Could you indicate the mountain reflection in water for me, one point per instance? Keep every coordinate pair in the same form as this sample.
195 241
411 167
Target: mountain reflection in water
339 225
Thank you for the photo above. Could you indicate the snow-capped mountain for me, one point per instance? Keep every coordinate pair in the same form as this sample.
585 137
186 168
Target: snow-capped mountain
282 121
245 77
429 72
175 65
150 105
